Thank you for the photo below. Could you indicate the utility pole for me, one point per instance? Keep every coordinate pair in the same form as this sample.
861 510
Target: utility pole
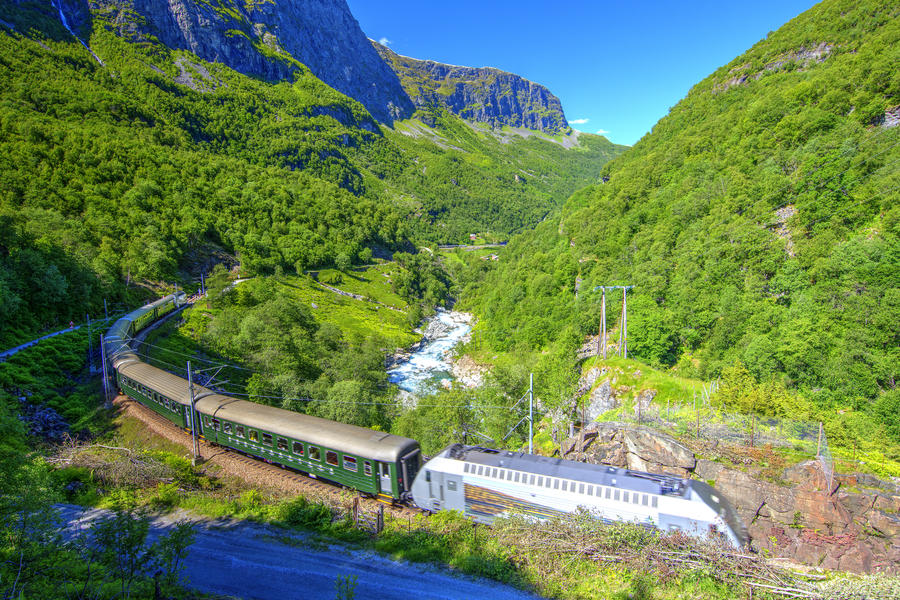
90 343
530 413
603 322
623 323
103 366
193 415
105 310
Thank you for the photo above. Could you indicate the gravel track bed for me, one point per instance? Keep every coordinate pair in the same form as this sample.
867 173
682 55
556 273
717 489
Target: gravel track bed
252 471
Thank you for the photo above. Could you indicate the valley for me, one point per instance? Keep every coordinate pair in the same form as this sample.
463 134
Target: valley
328 202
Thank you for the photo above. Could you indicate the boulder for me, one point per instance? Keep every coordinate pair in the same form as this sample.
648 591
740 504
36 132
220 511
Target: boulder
858 559
600 401
655 447
885 523
643 400
707 470
807 475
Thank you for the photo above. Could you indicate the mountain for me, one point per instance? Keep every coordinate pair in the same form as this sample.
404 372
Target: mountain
125 159
270 40
758 222
483 95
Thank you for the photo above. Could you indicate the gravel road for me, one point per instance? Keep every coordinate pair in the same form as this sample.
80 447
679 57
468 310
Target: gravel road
259 562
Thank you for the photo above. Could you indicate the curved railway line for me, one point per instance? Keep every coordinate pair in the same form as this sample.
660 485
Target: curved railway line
255 471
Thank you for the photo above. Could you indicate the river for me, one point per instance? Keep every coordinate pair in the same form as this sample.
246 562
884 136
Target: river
431 362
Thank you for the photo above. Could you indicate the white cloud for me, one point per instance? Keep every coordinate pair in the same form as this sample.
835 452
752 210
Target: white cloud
578 121
602 132
385 42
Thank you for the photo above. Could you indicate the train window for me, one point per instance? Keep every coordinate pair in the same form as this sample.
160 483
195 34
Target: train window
494 473
531 480
540 482
451 486
480 470
590 490
428 476
616 496
226 427
254 437
580 488
239 431
518 475
215 424
607 493
654 501
624 496
547 482
267 439
331 457
282 444
645 500
206 420
350 463
367 467
313 453
565 486
298 448
556 484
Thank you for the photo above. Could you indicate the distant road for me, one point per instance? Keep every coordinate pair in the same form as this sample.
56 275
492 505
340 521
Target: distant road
250 560
468 248
7 353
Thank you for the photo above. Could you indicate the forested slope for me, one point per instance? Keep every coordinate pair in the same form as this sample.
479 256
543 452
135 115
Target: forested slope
116 172
758 222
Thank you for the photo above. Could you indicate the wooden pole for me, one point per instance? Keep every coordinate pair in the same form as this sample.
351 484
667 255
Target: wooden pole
819 443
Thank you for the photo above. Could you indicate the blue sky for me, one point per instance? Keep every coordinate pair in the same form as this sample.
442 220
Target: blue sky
616 66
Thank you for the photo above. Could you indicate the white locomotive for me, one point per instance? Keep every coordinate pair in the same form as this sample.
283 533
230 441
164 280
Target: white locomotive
484 484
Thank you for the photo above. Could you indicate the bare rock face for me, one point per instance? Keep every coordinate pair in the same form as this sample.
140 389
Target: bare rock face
267 40
801 518
601 400
483 94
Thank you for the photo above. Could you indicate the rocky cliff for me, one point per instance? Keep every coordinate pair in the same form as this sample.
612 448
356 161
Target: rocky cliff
484 94
268 39
849 523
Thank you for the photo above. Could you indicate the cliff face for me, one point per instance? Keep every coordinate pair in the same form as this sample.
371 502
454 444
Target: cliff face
479 94
268 39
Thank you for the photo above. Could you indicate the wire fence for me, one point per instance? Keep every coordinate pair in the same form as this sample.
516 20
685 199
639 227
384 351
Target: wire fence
701 420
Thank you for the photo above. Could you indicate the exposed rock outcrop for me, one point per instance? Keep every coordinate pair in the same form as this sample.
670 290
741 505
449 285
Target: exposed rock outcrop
850 523
268 40
485 94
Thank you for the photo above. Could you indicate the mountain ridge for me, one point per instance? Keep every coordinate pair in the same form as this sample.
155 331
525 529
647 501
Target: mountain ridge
480 94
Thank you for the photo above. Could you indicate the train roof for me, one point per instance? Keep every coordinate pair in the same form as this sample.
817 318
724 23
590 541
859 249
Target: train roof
651 483
368 443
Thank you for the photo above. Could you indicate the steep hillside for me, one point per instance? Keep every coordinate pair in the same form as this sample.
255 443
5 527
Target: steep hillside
119 171
484 95
758 222
271 40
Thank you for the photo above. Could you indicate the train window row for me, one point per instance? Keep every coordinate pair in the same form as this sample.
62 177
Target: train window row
151 395
564 485
298 448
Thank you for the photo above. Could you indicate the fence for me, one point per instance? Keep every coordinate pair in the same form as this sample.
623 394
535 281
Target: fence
701 420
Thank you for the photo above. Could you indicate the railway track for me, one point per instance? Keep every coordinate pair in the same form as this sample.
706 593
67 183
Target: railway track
259 472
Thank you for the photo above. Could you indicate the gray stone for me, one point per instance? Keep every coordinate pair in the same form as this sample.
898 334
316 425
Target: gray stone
600 401
659 448
321 34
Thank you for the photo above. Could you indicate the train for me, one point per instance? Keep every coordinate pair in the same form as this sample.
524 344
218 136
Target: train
485 484
481 483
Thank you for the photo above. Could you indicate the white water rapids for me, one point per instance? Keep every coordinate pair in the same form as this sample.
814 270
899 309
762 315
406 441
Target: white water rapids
57 4
432 361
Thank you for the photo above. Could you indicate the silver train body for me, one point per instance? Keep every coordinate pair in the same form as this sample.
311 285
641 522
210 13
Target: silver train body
485 484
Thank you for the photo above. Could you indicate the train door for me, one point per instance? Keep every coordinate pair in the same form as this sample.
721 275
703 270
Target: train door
454 493
384 478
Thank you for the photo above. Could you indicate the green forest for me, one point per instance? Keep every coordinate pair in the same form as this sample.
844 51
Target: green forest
119 173
758 223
